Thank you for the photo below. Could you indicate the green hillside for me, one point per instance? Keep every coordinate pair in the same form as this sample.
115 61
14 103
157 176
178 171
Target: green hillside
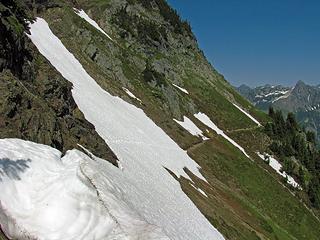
151 49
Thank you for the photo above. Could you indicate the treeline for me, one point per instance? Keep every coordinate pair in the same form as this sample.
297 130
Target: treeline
13 24
297 149
144 30
147 30
169 14
16 8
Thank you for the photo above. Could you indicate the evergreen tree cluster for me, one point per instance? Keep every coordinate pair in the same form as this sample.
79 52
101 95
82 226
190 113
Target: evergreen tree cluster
144 30
297 148
169 14
16 8
13 24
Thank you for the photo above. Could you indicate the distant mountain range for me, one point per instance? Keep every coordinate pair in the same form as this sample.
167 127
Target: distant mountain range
302 99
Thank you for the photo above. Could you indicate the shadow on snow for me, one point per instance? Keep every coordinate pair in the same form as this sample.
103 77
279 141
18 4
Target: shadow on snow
13 168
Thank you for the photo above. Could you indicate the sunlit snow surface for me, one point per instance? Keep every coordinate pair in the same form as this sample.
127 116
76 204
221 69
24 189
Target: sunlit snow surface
85 16
191 127
277 167
46 196
248 115
143 149
207 121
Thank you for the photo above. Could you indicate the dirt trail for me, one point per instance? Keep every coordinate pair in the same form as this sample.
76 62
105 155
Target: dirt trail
195 146
242 129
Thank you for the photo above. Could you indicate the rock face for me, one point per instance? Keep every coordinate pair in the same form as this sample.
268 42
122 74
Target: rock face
36 102
302 99
13 54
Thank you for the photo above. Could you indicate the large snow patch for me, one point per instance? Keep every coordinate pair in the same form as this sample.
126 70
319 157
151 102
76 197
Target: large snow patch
44 196
144 150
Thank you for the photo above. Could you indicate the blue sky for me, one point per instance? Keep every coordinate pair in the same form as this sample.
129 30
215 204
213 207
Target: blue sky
258 41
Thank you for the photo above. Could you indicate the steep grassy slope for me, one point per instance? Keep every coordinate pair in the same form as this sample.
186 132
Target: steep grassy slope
246 200
178 60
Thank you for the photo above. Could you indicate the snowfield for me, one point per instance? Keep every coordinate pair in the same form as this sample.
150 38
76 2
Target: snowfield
191 127
207 121
46 196
144 151
277 167
85 16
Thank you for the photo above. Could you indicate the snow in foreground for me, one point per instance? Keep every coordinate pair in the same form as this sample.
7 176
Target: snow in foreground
46 196
191 127
144 151
277 167
85 16
248 115
207 121
180 88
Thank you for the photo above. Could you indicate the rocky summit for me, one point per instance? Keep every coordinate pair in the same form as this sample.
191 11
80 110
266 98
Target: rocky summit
301 99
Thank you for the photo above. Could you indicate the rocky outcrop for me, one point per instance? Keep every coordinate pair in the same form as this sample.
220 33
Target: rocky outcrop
13 54
36 103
